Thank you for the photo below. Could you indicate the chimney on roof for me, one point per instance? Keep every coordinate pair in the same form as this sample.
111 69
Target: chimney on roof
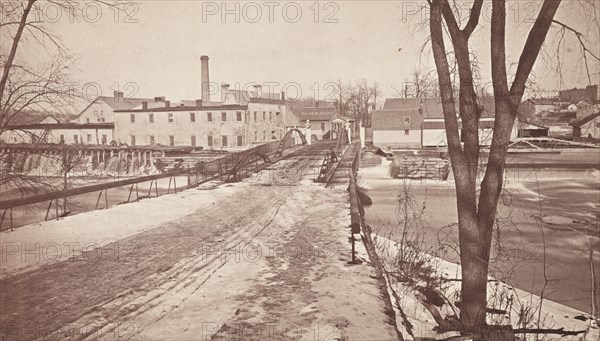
159 99
258 90
144 105
167 104
118 96
283 96
205 79
316 104
224 90
198 103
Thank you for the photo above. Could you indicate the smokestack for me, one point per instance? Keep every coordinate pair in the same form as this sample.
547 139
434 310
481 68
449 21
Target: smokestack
224 90
205 79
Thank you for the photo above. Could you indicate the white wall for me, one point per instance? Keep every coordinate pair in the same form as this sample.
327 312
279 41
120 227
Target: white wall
434 138
397 137
182 129
97 112
53 136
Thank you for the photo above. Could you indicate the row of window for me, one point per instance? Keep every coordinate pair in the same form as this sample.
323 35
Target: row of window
100 119
210 140
89 139
209 117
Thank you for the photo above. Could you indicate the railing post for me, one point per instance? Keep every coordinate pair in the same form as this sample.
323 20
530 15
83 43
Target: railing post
2 220
47 211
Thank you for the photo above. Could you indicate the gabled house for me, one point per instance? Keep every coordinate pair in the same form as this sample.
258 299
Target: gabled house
531 109
416 122
101 109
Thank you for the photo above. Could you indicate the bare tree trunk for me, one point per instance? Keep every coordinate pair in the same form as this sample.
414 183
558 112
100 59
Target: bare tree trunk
13 48
476 216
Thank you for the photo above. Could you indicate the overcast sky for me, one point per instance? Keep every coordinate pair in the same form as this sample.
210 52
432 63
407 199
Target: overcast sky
157 50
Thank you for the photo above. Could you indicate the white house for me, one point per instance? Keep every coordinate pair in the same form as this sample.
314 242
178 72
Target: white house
416 122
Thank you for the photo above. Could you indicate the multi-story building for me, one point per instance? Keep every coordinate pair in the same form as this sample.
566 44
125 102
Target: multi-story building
241 119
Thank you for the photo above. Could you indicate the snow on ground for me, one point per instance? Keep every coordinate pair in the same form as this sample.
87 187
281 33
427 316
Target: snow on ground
248 261
41 244
553 315
563 251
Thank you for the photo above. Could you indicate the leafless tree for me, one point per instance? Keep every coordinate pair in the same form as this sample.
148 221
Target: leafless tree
343 95
363 100
25 85
422 84
43 86
477 205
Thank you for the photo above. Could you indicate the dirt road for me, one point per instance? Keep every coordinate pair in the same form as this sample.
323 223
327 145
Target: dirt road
266 262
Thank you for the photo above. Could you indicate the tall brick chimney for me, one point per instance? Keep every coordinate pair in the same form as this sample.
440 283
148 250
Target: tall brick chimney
205 79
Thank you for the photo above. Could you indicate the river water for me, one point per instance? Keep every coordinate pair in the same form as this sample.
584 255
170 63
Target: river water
547 224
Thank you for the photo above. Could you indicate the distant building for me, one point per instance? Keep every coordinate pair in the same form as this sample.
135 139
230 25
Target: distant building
94 125
319 117
240 120
590 93
39 128
101 110
416 122
530 110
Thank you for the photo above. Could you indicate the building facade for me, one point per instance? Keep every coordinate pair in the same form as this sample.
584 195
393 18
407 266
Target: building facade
232 124
319 117
416 123
101 110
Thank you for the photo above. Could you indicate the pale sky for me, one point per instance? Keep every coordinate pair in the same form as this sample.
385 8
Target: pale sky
159 53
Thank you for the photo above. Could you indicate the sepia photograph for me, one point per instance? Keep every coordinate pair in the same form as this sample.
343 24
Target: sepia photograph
308 170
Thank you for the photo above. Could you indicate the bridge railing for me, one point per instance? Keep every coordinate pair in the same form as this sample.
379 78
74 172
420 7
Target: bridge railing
202 172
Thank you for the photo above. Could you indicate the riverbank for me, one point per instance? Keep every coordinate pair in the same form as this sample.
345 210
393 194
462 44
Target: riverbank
547 228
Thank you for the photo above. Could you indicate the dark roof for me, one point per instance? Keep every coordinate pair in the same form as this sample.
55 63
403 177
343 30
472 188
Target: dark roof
584 120
393 119
432 107
544 101
35 117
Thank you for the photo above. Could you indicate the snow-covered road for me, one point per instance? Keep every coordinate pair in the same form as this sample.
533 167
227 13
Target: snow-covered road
257 260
